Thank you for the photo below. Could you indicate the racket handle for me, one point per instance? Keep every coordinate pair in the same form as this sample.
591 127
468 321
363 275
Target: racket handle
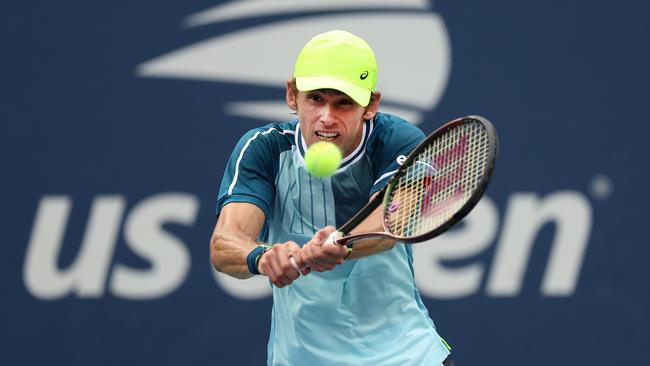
295 265
331 239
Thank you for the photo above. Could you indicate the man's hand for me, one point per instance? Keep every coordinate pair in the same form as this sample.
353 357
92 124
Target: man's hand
320 257
276 265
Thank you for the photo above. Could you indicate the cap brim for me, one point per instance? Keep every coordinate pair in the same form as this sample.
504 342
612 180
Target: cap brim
359 94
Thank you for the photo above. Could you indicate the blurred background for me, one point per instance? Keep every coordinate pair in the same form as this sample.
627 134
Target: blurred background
117 119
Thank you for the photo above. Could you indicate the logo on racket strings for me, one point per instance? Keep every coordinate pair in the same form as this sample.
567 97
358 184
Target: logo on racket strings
446 186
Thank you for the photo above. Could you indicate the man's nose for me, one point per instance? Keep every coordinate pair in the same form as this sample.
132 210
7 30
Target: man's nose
327 115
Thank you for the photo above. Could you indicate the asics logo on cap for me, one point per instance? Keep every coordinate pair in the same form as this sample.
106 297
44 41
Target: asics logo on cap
363 75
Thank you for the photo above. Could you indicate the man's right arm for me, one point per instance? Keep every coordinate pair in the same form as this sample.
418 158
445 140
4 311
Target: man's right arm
235 236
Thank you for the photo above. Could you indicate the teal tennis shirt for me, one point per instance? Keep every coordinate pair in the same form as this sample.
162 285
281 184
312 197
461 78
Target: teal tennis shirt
363 312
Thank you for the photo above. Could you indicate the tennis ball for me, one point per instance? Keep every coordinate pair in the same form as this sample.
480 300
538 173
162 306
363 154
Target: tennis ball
322 158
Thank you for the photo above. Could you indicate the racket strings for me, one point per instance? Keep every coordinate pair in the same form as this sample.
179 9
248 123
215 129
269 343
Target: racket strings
439 181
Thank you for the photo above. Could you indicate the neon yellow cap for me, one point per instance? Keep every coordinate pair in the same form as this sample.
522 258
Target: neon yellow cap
337 60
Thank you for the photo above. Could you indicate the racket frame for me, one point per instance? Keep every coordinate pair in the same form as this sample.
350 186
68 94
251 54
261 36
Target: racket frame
382 197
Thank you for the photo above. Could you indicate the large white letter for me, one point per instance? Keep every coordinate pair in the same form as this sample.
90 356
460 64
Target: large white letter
476 233
87 275
169 258
526 214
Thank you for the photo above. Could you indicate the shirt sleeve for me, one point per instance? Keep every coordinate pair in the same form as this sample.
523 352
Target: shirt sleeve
394 140
249 175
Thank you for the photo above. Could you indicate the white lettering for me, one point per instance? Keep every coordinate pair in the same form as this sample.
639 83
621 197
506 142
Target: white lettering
473 235
169 258
526 214
87 275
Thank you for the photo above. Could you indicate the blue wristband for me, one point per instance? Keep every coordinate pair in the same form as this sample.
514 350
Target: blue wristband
252 257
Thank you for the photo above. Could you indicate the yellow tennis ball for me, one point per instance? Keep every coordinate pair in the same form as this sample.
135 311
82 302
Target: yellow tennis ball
322 158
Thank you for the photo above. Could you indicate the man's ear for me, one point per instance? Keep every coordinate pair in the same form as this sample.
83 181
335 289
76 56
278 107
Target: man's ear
372 107
291 95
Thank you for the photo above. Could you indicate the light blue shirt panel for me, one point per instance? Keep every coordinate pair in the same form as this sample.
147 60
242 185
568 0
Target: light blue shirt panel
327 318
302 205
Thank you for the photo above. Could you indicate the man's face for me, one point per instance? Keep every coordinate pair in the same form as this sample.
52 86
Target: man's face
329 115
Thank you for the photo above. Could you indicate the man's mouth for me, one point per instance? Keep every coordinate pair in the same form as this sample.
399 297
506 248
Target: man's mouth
327 136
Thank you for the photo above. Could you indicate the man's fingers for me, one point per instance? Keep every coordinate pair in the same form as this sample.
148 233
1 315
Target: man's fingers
277 275
286 268
296 266
332 253
277 264
323 258
296 259
322 235
309 256
332 237
335 251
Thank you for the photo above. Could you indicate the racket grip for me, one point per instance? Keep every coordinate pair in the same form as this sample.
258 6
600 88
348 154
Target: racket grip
331 239
295 265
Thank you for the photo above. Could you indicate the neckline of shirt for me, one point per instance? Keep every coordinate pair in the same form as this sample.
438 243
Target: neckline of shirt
347 161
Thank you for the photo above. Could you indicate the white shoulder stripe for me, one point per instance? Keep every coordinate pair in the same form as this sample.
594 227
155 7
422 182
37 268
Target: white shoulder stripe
385 175
356 155
361 145
243 150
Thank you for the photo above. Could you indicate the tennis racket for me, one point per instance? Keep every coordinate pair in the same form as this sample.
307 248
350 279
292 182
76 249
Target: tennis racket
438 184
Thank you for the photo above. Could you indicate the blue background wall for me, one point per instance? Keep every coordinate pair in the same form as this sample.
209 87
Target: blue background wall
137 159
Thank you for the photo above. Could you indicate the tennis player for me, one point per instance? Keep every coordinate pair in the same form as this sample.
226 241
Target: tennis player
340 309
